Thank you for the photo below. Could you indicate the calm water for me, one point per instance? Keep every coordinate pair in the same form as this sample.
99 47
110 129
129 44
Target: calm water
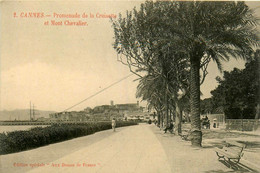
14 128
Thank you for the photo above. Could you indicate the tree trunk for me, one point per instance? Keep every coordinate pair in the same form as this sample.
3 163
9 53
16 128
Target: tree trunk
166 118
161 124
170 114
158 118
178 119
196 134
166 110
257 115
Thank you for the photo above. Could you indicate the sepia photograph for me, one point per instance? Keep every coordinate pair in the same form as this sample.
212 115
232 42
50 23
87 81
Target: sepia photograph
139 86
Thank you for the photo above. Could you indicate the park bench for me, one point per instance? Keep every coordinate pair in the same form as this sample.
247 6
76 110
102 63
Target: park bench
185 135
233 151
171 130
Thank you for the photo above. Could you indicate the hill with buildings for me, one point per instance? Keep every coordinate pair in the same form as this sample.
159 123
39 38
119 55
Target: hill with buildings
100 113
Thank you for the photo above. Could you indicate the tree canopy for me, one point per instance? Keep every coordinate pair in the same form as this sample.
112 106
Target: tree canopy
238 90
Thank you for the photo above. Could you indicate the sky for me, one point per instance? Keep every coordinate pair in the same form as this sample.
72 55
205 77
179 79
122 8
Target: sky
55 67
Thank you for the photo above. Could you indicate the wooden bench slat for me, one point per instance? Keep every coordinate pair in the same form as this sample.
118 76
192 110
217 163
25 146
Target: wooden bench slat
233 150
227 154
236 144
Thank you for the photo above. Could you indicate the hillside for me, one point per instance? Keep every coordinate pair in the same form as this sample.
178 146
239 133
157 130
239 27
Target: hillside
22 114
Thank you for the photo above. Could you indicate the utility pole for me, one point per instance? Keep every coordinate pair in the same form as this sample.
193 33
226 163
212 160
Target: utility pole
33 112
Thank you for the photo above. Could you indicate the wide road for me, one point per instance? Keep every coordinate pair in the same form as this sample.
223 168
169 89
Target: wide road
131 150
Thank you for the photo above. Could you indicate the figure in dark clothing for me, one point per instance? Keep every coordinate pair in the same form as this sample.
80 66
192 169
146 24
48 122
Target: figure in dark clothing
205 122
169 128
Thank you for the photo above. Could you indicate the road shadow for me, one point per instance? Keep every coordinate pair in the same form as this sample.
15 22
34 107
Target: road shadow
214 144
221 171
168 135
236 167
251 146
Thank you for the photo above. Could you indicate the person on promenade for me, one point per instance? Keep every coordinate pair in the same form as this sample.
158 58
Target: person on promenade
114 124
169 128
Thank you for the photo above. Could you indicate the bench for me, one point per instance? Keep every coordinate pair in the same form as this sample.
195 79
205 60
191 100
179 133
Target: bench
233 151
171 130
185 135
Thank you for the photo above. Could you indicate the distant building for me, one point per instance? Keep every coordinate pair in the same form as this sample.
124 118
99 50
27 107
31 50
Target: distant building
69 116
43 119
99 113
131 111
88 110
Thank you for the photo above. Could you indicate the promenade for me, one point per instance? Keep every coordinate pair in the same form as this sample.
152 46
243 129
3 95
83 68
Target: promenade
136 149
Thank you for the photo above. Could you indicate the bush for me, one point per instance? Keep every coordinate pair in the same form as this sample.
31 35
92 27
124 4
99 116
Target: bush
24 140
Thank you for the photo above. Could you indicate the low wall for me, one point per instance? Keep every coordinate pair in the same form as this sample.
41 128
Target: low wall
242 124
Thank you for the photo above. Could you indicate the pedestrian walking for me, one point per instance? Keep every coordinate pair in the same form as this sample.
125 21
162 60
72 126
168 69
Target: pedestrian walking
114 124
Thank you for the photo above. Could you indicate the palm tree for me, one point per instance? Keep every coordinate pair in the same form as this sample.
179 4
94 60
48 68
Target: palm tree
218 31
151 88
209 31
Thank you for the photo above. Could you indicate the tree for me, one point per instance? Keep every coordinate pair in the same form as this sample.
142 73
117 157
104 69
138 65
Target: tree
257 58
140 37
209 106
214 30
196 32
206 106
150 89
252 73
238 91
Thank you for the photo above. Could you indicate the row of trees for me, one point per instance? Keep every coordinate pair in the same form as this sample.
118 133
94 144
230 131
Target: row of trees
169 45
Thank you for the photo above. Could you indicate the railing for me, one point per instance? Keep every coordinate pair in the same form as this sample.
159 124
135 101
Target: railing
242 124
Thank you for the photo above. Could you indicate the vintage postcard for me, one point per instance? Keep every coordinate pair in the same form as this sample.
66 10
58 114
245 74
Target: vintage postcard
129 86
